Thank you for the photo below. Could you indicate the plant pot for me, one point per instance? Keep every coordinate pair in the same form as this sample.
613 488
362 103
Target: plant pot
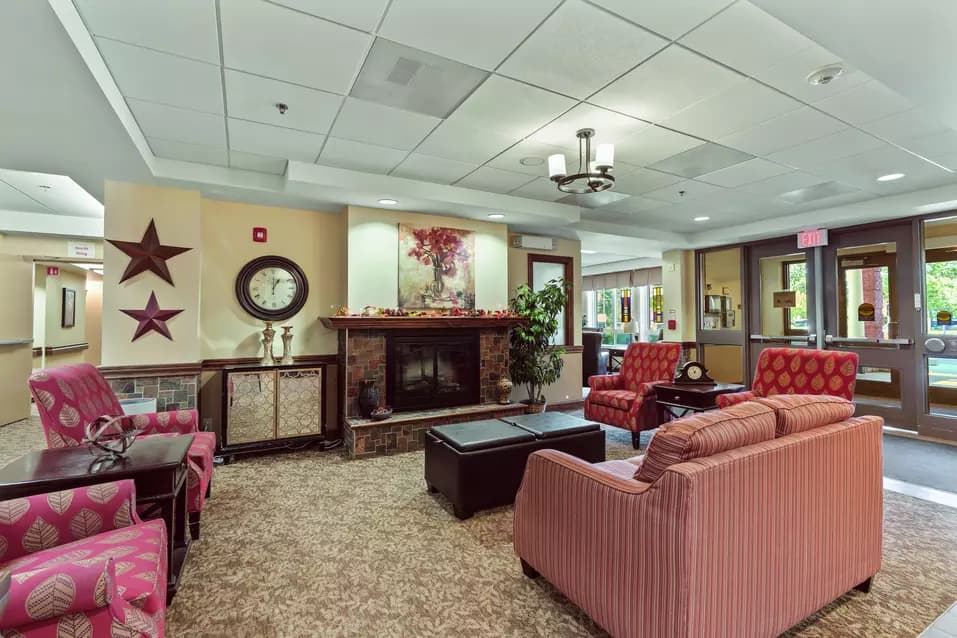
534 408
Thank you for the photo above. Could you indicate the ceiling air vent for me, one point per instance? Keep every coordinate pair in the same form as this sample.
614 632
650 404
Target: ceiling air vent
403 71
533 242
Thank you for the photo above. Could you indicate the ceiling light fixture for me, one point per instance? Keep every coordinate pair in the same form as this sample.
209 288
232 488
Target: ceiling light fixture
890 177
496 216
593 175
825 75
388 202
531 161
703 218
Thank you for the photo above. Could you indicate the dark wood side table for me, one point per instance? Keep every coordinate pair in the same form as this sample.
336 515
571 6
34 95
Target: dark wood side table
687 398
157 466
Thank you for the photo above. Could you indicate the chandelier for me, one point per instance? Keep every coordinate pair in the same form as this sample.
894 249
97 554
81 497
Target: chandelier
593 176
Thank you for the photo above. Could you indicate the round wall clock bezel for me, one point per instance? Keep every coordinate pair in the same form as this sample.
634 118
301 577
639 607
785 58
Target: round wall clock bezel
248 271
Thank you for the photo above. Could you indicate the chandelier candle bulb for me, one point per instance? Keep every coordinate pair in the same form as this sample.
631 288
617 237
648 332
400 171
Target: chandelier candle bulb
605 156
556 165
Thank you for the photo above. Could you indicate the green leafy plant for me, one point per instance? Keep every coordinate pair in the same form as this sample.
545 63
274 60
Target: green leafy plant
533 361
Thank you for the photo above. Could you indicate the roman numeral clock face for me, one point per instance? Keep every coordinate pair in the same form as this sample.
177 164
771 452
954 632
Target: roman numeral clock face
271 288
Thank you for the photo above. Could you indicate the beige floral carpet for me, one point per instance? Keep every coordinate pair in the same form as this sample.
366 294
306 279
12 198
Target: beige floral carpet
310 544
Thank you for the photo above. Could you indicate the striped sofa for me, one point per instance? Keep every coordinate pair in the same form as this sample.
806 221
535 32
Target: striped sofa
739 522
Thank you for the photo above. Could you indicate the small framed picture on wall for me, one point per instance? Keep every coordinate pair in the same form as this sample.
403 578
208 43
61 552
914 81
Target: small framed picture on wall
69 308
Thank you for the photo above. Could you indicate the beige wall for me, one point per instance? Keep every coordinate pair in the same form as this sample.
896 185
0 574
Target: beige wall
48 315
569 387
373 261
94 319
678 291
40 247
16 322
129 208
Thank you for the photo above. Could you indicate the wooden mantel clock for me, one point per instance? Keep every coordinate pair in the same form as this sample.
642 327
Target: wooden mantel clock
272 288
693 372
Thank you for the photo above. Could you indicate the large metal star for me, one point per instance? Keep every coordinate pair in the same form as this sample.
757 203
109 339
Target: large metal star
148 254
152 319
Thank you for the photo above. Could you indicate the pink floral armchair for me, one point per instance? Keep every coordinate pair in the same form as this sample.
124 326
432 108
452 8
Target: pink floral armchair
82 563
69 397
627 399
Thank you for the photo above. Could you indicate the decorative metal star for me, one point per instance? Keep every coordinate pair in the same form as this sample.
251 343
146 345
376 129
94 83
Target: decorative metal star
152 319
148 254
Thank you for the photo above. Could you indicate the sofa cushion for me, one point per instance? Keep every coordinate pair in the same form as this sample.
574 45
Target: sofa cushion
800 412
705 434
618 399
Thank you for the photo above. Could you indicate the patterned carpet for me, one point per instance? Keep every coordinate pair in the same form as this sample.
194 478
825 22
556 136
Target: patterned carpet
309 544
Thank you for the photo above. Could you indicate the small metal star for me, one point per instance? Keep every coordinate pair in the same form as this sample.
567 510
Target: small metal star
152 319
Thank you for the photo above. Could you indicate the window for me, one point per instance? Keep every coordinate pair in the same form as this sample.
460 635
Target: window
545 268
604 310
794 278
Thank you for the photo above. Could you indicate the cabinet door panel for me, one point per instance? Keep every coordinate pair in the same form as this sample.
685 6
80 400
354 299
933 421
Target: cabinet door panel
300 402
252 407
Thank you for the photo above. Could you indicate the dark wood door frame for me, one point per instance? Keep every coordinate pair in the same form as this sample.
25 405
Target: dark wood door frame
569 276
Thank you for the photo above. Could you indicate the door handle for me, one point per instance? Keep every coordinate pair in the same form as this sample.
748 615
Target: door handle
867 341
782 338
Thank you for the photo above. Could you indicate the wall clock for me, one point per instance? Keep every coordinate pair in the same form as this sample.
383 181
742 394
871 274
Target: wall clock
272 288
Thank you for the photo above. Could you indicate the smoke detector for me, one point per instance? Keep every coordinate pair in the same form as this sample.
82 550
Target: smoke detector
825 75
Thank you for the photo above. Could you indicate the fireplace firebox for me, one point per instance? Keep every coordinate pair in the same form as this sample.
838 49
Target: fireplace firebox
432 370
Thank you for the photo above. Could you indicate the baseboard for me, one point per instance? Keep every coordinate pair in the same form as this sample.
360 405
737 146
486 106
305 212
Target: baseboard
563 406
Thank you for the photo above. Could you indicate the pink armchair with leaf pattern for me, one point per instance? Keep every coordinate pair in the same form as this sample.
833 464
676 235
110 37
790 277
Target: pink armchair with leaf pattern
82 563
69 397
627 399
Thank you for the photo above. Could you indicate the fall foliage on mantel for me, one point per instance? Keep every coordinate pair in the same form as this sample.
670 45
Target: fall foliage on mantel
405 323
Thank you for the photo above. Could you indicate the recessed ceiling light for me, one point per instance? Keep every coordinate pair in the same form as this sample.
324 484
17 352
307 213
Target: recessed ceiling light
589 252
388 202
496 216
825 75
703 218
531 161
890 177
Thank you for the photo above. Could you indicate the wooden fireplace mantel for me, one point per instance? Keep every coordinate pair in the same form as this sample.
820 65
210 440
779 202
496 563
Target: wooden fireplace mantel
420 323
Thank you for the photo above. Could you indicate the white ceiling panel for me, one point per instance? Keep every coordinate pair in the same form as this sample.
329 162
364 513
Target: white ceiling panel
181 125
42 193
753 170
363 15
743 105
494 180
634 205
183 27
273 141
159 77
906 126
864 103
790 129
258 163
653 144
684 191
746 38
940 147
464 143
512 108
609 127
830 147
671 81
787 182
605 47
479 33
432 169
671 19
277 42
863 170
790 75
541 188
250 97
511 160
382 125
635 181
185 152
360 157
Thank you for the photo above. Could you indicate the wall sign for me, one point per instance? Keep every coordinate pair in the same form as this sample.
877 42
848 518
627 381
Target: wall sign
865 312
80 249
812 238
785 299
53 271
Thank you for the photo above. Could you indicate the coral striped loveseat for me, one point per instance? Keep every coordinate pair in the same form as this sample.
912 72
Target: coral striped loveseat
739 522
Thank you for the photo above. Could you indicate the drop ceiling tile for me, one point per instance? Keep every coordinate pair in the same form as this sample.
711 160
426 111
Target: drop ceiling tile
541 188
609 127
273 141
480 33
258 163
743 105
662 86
360 157
593 200
166 79
605 47
58 193
790 129
830 147
906 126
277 42
530 150
653 144
13 199
635 181
494 180
790 75
432 169
865 103
774 186
700 160
180 125
684 191
174 150
671 19
250 97
382 125
753 170
817 192
363 15
512 108
746 38
183 27
862 171
939 147
633 205
464 143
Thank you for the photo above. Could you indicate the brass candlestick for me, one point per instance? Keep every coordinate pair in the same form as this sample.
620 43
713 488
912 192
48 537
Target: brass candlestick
286 346
268 335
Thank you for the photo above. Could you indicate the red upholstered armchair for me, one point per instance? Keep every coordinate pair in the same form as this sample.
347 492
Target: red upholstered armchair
626 399
69 397
799 371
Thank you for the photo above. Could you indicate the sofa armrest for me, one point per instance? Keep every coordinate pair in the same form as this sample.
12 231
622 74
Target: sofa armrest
606 382
172 422
733 398
58 590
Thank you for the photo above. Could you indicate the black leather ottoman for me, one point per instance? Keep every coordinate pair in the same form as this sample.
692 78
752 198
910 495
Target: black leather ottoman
479 465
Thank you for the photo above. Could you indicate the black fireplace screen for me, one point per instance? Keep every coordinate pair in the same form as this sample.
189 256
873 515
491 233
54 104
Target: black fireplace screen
426 371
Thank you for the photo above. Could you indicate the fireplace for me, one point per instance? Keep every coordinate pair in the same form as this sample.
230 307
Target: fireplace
432 370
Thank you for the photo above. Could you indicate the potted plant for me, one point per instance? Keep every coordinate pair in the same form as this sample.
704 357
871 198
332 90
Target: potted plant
533 360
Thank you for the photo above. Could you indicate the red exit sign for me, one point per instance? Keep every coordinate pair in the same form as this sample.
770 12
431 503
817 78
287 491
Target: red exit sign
812 238
53 271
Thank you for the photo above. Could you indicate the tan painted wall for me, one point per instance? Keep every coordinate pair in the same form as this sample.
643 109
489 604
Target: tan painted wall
40 247
678 291
16 322
94 319
48 328
129 208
